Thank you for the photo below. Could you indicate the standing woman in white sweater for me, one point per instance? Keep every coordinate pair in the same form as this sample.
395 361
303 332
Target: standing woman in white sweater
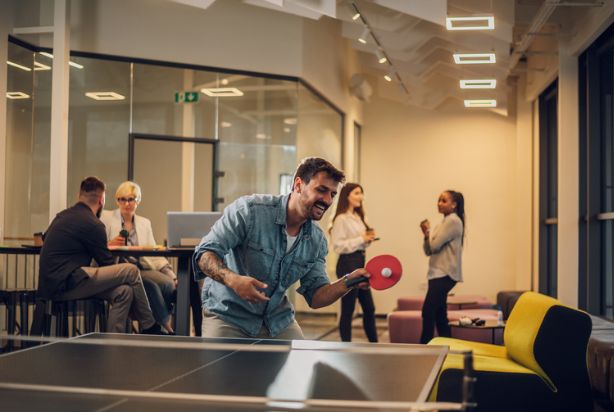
351 236
444 246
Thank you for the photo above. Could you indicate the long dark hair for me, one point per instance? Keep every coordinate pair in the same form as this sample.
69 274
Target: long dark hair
344 204
459 199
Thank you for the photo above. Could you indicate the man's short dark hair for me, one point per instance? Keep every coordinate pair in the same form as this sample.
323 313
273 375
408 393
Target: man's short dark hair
91 184
310 166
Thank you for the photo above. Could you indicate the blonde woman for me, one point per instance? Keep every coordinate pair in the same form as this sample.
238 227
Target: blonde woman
158 277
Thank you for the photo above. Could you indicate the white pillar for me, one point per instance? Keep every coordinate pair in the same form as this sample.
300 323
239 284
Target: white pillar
188 150
58 173
568 178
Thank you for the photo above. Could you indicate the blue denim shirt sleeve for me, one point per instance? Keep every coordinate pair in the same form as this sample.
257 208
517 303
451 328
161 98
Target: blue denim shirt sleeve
317 277
229 231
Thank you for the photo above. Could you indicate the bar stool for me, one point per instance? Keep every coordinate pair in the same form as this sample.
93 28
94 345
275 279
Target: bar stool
91 309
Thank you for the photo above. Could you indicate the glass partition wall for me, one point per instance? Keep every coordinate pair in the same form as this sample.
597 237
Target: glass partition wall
262 126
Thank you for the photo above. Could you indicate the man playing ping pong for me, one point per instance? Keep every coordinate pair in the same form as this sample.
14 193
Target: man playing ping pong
261 246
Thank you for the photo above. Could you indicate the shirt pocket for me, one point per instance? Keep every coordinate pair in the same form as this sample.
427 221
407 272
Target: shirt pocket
259 261
297 270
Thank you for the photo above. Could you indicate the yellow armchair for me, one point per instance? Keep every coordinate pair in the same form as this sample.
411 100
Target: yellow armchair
542 366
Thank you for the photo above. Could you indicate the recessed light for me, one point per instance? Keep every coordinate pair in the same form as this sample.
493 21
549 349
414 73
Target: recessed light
388 77
40 66
19 66
478 84
17 95
224 81
470 23
287 129
290 120
222 92
481 103
356 16
105 96
226 124
261 136
474 58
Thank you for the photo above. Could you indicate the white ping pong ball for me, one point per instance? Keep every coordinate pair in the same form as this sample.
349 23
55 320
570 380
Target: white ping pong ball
386 272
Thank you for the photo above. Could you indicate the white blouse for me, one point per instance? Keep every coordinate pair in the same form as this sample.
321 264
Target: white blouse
347 234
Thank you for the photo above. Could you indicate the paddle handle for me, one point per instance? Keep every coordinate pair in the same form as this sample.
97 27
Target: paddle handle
349 283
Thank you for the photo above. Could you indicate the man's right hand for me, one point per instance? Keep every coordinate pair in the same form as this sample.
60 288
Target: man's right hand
248 289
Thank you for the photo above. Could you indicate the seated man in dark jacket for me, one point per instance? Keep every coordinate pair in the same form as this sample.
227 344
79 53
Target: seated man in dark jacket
73 239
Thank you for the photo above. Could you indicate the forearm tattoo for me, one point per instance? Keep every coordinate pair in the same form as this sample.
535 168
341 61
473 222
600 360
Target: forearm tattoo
213 266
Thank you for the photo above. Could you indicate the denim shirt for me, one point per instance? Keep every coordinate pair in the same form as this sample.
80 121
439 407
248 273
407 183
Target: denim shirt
251 237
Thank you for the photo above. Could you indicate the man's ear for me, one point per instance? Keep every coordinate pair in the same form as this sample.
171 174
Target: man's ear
298 184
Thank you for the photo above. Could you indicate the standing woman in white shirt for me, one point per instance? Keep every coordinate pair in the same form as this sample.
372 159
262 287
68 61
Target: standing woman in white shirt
351 235
444 246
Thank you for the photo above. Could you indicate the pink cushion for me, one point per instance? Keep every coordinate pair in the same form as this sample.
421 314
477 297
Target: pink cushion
415 302
405 326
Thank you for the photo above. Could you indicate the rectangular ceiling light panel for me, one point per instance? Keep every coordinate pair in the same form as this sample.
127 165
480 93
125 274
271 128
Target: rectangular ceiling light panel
17 95
105 96
481 103
470 23
474 58
478 84
70 62
19 66
40 66
222 91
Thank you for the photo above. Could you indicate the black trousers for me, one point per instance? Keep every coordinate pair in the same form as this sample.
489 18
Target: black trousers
346 264
435 308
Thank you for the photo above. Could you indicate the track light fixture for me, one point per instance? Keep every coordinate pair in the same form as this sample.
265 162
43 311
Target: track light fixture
381 57
380 52
363 37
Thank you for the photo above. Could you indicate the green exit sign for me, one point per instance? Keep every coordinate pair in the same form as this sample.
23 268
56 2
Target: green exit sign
186 97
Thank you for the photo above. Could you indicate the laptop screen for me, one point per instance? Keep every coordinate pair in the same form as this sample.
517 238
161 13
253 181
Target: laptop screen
186 229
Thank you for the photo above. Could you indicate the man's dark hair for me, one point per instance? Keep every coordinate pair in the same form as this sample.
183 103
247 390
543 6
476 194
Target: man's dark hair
310 166
91 184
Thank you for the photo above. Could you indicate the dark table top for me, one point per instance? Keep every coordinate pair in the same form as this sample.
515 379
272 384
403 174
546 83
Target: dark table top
135 372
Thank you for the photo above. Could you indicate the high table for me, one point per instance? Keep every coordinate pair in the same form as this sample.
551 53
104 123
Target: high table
184 272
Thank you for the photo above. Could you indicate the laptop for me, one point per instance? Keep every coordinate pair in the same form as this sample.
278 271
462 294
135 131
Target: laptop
186 229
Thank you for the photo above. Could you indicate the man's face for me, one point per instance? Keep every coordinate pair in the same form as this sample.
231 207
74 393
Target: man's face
316 196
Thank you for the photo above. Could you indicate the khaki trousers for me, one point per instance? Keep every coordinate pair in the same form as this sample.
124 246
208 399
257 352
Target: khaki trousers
122 287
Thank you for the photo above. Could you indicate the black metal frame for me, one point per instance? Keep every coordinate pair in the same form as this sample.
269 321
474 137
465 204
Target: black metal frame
164 63
178 139
590 281
548 192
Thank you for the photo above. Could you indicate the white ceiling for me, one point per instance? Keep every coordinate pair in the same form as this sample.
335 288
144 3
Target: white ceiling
413 34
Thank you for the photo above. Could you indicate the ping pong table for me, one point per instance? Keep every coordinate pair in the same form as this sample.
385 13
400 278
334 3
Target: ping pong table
114 372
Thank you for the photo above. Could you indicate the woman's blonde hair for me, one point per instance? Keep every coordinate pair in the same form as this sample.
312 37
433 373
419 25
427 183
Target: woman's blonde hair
128 188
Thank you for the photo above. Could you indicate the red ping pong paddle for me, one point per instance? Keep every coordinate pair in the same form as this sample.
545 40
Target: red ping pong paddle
385 270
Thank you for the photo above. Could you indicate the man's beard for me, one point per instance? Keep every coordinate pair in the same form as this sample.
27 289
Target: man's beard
99 212
314 210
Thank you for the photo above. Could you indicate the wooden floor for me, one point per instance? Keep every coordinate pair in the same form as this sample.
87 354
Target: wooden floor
325 327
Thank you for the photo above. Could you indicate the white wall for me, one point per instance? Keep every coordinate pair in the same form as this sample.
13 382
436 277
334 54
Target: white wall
410 155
